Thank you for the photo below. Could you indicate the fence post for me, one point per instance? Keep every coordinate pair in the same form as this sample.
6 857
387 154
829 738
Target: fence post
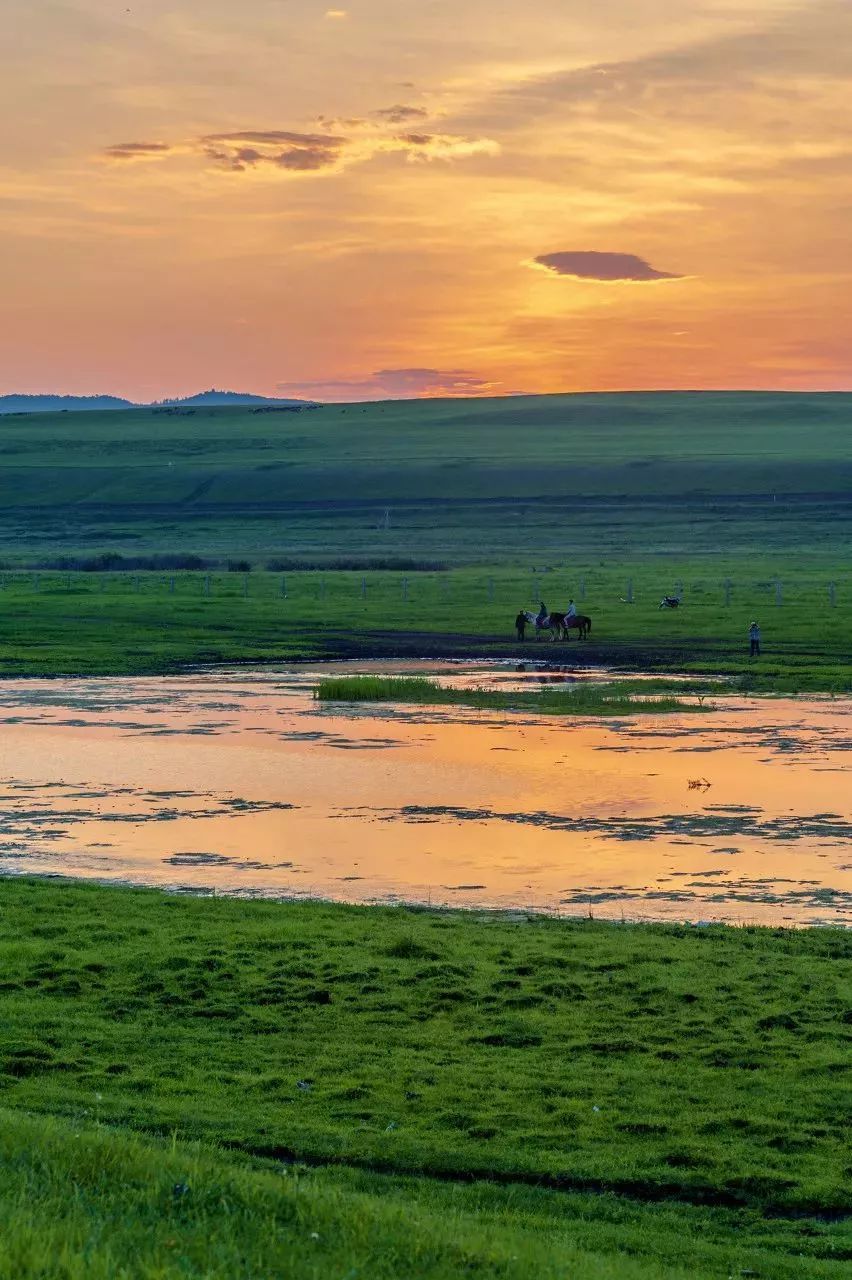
779 594
727 591
245 584
832 594
405 588
629 590
363 588
284 587
582 588
171 586
207 584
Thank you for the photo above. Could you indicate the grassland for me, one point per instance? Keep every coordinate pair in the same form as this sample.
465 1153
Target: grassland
214 1087
90 623
493 482
427 525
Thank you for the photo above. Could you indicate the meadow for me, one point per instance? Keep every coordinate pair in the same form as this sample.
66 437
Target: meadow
79 623
409 527
196 1086
453 481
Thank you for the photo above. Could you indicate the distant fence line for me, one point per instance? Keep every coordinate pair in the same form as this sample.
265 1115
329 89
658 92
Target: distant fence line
505 591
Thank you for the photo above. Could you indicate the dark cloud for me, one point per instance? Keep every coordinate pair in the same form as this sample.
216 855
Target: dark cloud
400 384
400 114
132 150
281 148
298 152
273 137
592 265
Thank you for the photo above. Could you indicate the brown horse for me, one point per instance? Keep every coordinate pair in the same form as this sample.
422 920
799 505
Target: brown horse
560 624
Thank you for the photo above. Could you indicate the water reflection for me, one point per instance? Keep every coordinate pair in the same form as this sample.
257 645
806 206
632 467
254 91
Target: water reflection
244 784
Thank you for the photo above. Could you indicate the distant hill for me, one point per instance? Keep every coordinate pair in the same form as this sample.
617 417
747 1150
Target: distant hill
77 404
54 404
211 398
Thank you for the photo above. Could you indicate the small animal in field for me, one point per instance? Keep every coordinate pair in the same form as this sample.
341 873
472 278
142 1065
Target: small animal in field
670 602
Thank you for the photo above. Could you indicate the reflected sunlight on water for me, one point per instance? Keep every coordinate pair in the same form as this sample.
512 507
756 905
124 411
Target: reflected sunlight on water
242 783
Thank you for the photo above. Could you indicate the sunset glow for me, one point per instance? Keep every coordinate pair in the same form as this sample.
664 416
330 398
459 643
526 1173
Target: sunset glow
482 198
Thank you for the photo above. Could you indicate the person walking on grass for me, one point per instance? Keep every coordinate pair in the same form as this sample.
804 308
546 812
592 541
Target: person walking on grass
754 641
521 624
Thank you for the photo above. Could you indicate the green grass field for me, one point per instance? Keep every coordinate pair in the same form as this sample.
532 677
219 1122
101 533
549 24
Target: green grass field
422 528
87 623
505 481
208 1087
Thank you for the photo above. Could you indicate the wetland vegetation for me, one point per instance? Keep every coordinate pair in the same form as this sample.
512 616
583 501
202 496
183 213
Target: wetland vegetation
614 698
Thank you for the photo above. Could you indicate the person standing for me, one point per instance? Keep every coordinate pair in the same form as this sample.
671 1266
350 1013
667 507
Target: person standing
754 641
521 624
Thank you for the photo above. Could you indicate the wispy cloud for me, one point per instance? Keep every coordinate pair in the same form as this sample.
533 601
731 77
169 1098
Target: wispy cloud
136 150
590 264
280 148
400 113
399 384
297 152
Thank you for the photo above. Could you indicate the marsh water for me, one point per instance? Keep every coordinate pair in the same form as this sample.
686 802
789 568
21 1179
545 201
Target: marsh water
243 783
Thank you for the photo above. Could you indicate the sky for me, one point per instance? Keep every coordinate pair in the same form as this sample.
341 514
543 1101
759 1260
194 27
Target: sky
397 198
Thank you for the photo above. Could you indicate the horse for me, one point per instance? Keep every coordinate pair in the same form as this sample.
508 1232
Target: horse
558 624
670 602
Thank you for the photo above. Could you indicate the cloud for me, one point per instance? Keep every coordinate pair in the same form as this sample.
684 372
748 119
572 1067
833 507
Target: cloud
593 265
296 152
281 148
399 384
136 150
400 113
336 13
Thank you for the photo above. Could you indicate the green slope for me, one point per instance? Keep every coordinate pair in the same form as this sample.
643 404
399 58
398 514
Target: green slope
470 472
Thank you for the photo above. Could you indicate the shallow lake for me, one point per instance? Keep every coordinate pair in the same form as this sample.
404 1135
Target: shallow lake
242 783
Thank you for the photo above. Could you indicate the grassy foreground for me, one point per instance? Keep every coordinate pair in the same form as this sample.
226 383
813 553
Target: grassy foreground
212 1087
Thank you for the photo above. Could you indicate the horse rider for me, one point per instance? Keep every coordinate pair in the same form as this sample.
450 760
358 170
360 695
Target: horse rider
571 611
542 615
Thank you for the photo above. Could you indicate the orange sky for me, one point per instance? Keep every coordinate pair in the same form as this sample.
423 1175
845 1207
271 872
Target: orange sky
349 202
